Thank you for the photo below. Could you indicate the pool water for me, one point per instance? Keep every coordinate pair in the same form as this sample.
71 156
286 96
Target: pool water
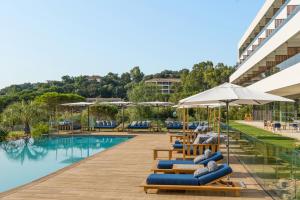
23 161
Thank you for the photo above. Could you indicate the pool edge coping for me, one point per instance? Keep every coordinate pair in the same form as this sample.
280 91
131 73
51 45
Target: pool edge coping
62 170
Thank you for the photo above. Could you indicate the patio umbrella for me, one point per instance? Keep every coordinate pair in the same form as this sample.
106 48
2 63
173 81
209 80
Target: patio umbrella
121 104
80 104
229 93
156 104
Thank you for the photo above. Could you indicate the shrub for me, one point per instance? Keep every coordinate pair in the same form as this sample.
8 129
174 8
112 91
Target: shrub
39 130
3 134
15 135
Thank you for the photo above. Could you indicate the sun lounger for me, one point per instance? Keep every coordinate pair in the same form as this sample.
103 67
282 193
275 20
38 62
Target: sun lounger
161 165
179 135
191 150
208 182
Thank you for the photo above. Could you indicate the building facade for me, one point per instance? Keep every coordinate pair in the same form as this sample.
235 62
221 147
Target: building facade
94 78
165 84
269 54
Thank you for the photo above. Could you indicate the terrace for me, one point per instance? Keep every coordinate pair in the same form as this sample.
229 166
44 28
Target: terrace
117 173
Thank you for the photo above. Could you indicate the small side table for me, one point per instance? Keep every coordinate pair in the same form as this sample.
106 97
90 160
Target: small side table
156 150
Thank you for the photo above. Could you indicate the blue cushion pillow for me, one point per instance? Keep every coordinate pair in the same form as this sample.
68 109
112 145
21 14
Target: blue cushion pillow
212 166
199 158
207 153
200 172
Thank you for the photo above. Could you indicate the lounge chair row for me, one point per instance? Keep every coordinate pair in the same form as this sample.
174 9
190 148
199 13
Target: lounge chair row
197 172
205 175
179 125
105 124
140 125
68 125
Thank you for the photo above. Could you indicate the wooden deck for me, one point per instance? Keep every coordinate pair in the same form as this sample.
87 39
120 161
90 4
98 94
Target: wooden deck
116 174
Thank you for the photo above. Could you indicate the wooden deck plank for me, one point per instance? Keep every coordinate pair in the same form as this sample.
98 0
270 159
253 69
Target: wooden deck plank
117 173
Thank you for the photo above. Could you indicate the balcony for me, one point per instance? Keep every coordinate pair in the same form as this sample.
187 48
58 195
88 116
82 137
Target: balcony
282 15
285 79
285 30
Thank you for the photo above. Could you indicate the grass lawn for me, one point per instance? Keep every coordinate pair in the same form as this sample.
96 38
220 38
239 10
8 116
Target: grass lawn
265 136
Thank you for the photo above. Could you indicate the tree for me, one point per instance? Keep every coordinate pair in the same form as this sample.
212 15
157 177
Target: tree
9 117
136 74
26 113
145 92
104 112
202 77
52 99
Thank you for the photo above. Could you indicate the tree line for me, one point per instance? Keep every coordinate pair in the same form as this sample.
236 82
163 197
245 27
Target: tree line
128 86
32 103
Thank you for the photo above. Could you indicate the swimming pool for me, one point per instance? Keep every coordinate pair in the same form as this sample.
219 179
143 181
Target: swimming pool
23 161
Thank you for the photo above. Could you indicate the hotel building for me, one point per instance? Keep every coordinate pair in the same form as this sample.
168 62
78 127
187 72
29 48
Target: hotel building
269 57
165 85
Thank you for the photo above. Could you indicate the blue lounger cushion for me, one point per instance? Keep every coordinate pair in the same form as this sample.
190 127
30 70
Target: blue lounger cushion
168 164
172 179
177 142
214 157
178 146
223 170
188 179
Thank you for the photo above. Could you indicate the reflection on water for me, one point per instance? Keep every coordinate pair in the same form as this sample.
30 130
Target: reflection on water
276 168
23 149
25 160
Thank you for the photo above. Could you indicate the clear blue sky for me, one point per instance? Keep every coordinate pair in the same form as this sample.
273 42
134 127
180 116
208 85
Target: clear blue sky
43 40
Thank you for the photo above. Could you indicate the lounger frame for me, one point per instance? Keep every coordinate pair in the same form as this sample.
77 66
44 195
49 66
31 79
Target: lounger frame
198 149
217 185
181 137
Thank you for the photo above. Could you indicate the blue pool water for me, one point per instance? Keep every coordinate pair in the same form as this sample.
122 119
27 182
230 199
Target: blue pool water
23 161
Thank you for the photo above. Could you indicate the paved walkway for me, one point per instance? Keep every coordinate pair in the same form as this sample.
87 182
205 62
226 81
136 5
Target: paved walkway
287 133
116 174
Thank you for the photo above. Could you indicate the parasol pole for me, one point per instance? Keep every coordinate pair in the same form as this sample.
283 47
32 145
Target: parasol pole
88 121
227 130
187 119
122 118
219 127
207 111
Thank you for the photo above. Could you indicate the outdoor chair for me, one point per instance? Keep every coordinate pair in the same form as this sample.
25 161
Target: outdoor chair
276 126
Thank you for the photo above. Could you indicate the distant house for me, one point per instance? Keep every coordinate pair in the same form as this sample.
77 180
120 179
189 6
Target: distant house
99 99
165 84
94 78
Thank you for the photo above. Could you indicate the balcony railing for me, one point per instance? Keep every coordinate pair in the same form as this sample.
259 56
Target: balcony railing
289 62
274 167
270 32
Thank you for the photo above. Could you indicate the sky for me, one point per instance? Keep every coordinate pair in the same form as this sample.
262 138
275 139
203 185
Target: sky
44 40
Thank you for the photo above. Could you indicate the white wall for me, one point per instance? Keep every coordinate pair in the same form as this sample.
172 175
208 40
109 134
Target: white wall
282 79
